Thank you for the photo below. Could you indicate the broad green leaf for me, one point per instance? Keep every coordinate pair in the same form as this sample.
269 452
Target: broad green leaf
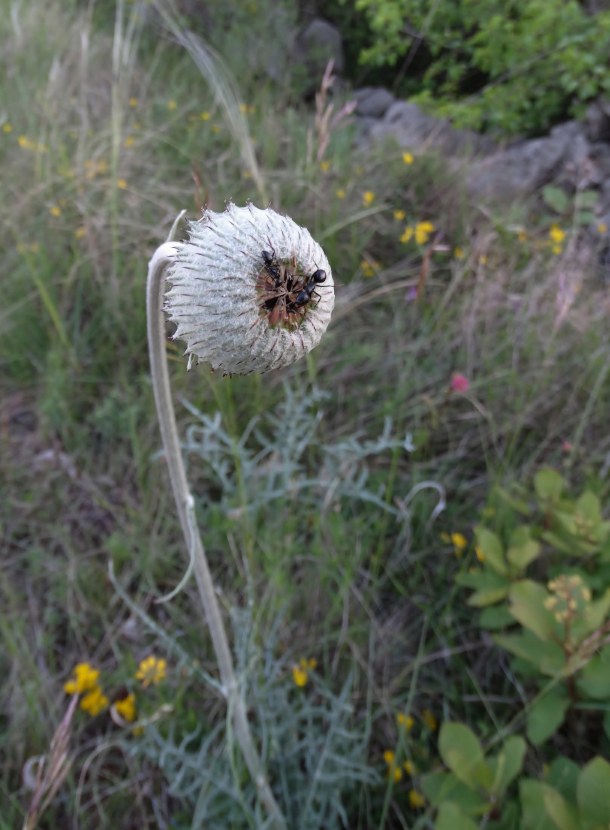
450 817
549 485
563 775
548 658
462 752
555 198
439 787
557 542
534 815
594 680
587 199
514 500
527 606
494 618
491 548
481 580
584 217
546 715
487 596
563 815
508 763
588 505
523 554
593 792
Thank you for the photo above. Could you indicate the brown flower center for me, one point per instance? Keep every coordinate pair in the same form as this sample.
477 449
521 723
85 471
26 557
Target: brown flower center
285 292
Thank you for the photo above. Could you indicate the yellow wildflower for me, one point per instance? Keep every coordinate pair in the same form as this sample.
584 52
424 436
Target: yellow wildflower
601 226
416 799
409 767
243 108
423 231
133 103
483 259
80 232
126 707
399 215
459 542
171 105
428 718
7 128
151 671
406 721
300 671
84 678
55 210
340 193
556 234
407 158
129 141
394 771
325 166
205 115
25 142
94 702
121 184
458 253
369 267
521 235
478 552
407 234
368 197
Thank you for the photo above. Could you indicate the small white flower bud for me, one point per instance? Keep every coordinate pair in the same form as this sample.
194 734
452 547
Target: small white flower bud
250 290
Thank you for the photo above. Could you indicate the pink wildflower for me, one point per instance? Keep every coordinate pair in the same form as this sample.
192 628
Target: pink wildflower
459 383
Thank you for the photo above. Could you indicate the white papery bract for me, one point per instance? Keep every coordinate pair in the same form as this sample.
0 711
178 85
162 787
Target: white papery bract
216 301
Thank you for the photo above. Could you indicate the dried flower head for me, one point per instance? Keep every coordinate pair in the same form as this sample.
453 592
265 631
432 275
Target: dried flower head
250 290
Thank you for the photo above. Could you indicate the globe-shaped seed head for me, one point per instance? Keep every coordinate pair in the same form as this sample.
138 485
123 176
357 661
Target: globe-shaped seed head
250 290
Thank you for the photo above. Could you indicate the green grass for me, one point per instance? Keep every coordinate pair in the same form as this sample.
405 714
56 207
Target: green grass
324 550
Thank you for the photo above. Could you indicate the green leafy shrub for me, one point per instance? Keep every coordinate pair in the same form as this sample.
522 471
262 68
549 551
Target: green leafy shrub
481 789
512 68
542 588
475 784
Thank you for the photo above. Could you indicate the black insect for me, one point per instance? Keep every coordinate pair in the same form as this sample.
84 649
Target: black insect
273 267
309 289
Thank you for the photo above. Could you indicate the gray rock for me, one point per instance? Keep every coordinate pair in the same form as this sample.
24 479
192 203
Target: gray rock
525 166
372 102
415 130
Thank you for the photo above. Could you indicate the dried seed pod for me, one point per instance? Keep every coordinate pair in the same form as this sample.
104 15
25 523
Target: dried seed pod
247 293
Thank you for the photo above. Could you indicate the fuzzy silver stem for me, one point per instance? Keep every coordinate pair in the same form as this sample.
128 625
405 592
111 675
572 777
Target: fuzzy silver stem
162 258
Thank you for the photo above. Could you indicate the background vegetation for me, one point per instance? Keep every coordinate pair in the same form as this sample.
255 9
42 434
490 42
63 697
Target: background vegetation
358 508
505 68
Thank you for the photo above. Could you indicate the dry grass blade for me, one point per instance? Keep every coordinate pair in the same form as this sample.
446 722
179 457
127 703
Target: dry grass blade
52 769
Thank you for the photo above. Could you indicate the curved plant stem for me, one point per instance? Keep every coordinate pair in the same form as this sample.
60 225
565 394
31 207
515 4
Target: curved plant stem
155 291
